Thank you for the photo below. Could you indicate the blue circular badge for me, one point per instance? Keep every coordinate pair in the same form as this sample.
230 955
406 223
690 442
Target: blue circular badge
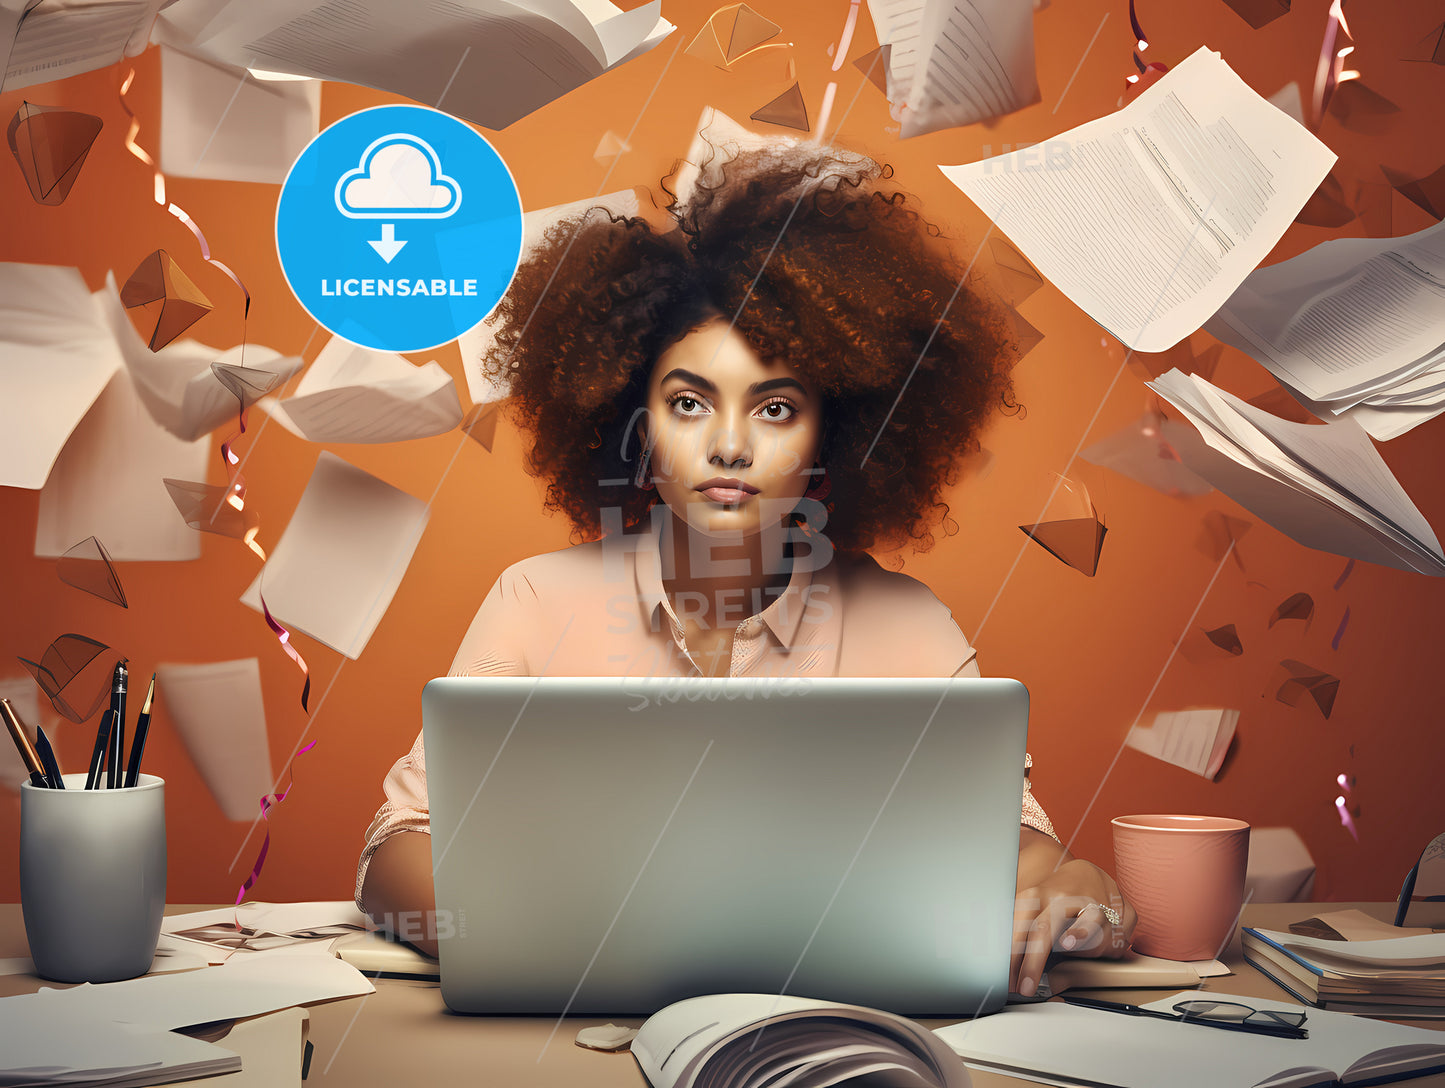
399 228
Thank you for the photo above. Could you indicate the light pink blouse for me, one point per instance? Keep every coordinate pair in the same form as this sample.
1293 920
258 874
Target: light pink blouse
599 609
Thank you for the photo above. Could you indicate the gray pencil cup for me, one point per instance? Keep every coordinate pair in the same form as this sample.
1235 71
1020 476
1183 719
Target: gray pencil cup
93 878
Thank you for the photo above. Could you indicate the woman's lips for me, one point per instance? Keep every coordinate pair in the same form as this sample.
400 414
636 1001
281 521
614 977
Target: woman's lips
728 496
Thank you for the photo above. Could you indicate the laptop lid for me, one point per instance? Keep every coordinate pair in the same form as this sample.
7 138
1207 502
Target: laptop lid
611 845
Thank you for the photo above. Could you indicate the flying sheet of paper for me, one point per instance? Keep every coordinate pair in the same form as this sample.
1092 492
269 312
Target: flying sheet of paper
343 554
474 345
1150 218
218 711
1325 486
1195 739
1145 451
56 39
1352 320
219 122
56 355
956 62
176 384
108 482
488 61
351 394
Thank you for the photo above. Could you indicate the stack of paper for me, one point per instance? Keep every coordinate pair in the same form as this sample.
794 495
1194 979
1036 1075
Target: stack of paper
488 61
1397 977
41 40
1196 740
1355 327
955 62
1324 486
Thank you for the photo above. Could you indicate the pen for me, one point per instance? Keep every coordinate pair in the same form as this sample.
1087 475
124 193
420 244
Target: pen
97 755
22 742
116 750
1281 1031
47 758
142 727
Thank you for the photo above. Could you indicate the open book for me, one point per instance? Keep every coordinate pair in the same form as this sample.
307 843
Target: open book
752 1040
1065 1044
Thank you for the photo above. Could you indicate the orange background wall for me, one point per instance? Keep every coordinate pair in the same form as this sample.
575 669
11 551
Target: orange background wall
1092 651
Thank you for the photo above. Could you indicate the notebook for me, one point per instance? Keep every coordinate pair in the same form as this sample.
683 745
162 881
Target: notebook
610 846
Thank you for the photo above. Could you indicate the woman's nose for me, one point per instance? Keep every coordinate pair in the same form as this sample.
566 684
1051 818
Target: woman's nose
731 444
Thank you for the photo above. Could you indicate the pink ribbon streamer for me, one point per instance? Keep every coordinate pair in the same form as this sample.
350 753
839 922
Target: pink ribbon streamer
270 801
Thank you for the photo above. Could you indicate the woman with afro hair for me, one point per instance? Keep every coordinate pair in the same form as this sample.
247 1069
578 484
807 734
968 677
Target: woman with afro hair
731 413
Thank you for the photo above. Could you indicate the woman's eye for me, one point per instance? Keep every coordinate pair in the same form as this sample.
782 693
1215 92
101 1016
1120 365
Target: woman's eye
777 410
687 405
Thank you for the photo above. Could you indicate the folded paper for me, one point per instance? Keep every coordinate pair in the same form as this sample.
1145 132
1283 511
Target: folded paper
1015 277
1303 680
87 566
170 300
1226 638
1258 13
1426 192
729 33
610 147
1196 740
208 508
51 144
1297 606
788 110
1076 540
1429 49
66 661
481 424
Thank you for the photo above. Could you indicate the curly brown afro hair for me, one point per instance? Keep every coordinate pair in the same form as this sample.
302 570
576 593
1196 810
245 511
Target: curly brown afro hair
820 264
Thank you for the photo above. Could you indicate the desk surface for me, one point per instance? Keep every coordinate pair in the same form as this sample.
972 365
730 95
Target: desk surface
403 1034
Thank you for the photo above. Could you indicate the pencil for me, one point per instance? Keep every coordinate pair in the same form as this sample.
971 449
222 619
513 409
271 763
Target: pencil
142 727
22 742
97 756
47 757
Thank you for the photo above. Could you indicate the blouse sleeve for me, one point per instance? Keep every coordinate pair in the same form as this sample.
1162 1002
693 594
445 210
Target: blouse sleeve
494 645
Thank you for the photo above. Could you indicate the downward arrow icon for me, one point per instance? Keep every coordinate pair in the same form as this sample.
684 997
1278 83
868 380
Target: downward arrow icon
387 246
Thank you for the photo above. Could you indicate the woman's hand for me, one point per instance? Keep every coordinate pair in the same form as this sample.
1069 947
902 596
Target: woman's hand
1060 905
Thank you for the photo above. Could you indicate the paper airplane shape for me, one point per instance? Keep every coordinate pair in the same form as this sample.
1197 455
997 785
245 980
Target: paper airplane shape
1219 533
246 384
1308 680
788 110
1298 606
51 144
165 292
1025 335
1430 48
1427 193
87 566
1015 277
64 660
1076 540
1358 108
874 65
1258 13
1326 207
610 147
208 508
729 33
1227 639
1145 451
481 424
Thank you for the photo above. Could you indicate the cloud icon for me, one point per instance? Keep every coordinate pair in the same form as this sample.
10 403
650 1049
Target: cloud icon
400 177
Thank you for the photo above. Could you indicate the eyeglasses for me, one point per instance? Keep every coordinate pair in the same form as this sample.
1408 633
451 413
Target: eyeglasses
1229 1015
1235 1014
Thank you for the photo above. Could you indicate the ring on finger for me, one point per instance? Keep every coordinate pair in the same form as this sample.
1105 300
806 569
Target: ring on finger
1110 914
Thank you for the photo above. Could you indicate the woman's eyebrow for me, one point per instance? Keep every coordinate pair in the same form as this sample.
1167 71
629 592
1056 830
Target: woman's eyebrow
753 390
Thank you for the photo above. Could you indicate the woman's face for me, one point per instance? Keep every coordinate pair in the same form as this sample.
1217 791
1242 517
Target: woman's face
733 437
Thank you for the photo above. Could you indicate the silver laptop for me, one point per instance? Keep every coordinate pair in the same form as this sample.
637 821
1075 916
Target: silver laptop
609 846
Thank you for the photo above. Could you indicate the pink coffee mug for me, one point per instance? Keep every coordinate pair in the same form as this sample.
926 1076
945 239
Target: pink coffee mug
1185 877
